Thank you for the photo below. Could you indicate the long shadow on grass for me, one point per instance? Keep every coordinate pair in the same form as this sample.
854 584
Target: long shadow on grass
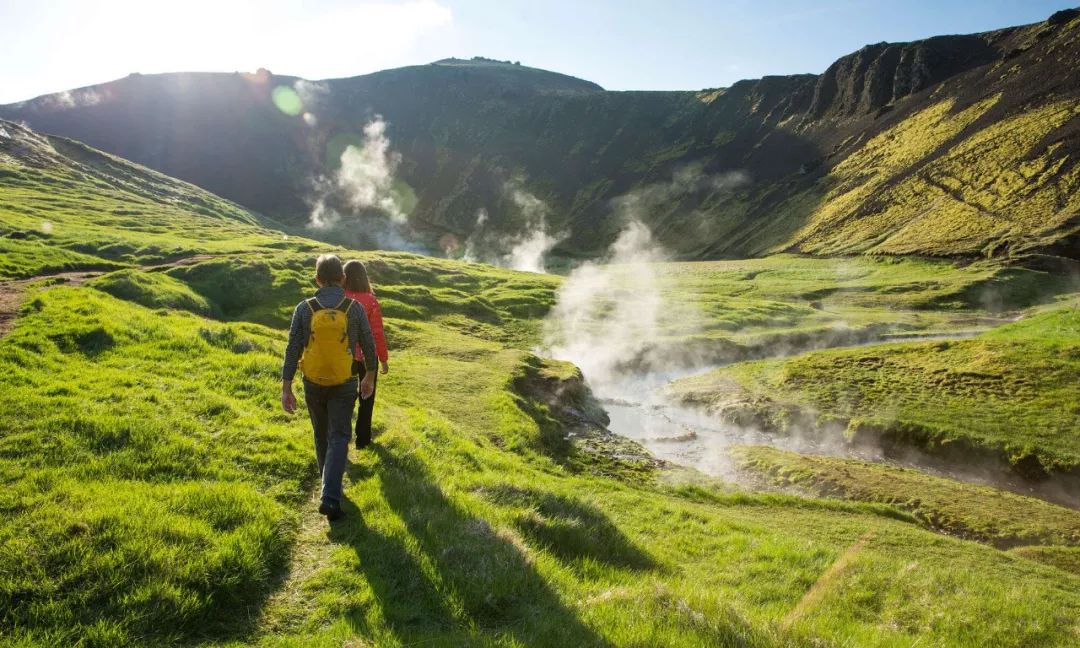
497 585
410 602
570 529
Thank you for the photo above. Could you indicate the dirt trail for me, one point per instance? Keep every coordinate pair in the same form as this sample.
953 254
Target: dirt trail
13 291
285 610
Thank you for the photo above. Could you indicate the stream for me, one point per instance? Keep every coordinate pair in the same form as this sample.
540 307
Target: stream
690 437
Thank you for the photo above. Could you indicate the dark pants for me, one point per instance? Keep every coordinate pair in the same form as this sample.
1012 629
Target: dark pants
331 409
367 406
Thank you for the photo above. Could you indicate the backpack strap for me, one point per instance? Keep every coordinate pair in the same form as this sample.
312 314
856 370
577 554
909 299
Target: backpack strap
345 305
313 305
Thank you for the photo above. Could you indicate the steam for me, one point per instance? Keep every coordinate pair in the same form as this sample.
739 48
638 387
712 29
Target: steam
72 99
363 182
311 93
611 317
526 250
607 317
685 181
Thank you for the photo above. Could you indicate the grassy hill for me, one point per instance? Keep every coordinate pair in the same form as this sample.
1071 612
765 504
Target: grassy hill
67 206
1009 392
956 146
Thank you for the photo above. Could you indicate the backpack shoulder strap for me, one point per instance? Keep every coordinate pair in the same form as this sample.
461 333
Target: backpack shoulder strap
345 305
313 305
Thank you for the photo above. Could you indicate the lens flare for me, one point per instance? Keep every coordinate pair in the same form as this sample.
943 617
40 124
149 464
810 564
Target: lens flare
287 101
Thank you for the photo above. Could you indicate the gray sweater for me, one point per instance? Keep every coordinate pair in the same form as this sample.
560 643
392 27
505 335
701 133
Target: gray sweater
300 330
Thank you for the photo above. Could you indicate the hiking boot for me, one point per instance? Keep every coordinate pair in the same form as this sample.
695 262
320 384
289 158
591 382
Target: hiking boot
331 510
360 445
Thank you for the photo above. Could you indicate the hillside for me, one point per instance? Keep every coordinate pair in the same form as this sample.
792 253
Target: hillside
955 146
67 206
155 494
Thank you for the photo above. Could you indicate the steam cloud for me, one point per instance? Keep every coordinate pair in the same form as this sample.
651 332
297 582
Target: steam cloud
610 320
526 250
610 317
73 98
310 92
605 326
364 181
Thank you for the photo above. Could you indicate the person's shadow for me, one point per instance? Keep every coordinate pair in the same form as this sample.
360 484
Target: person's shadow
409 601
483 585
571 530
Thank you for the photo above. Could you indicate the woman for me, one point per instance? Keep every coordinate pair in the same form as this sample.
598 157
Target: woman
358 287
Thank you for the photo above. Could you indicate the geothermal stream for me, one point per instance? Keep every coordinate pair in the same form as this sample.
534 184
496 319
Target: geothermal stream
639 410
608 314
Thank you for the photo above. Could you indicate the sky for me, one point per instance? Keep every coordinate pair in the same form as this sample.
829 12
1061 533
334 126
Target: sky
57 45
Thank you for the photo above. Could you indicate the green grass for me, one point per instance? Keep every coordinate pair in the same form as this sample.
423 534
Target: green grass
153 290
155 493
1011 391
978 512
725 311
465 528
77 208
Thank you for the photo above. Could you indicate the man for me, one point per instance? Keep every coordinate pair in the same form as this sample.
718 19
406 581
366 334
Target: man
325 330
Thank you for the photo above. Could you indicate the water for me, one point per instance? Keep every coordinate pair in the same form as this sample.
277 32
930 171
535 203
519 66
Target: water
686 436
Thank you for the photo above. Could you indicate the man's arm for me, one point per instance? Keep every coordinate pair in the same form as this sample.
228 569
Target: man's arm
298 335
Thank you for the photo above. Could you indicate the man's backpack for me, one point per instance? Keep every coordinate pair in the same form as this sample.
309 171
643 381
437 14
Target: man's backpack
327 358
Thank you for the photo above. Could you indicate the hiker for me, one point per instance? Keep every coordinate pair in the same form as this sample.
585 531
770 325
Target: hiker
325 330
358 288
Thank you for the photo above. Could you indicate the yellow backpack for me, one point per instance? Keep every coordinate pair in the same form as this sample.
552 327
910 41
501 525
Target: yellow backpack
327 358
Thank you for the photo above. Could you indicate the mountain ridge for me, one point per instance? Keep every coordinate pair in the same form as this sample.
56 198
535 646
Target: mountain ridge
469 133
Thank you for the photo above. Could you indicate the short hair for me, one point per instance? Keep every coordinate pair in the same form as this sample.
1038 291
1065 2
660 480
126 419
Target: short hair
328 269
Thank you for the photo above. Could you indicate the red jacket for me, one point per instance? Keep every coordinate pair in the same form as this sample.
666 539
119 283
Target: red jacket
374 316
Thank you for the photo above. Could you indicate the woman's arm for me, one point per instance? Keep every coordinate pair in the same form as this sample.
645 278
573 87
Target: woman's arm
375 319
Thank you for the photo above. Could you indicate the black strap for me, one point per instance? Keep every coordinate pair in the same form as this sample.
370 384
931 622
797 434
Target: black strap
314 305
345 305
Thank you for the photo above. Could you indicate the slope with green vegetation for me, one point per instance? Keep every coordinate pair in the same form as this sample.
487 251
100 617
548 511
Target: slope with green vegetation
724 311
979 512
1010 392
69 207
152 439
155 494
957 146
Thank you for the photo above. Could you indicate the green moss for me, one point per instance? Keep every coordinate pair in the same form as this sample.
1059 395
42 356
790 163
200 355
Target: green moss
153 290
978 512
1009 391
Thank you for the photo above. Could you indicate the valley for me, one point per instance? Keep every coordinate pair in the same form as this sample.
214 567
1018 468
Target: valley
478 519
794 362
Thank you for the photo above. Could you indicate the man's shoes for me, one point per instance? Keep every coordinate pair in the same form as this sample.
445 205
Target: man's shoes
360 445
331 510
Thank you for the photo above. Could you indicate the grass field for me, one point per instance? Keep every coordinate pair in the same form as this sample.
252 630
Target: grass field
1010 391
971 511
724 311
466 526
154 493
